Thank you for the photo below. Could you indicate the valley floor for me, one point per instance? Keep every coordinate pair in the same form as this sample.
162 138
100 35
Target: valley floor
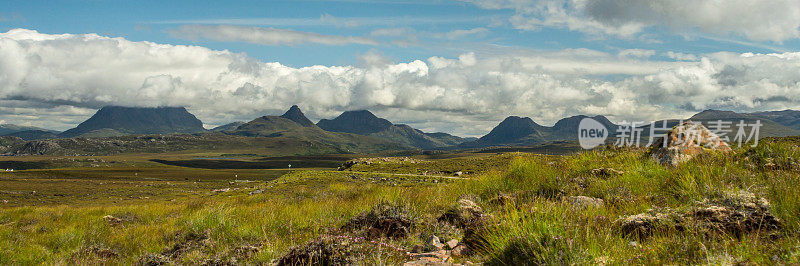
503 209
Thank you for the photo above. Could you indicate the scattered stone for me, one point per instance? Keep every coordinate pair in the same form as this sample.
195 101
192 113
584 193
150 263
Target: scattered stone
440 257
433 244
452 243
460 250
583 202
606 172
685 141
220 190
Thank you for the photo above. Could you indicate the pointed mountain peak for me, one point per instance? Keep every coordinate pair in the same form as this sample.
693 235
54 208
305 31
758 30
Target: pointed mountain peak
295 114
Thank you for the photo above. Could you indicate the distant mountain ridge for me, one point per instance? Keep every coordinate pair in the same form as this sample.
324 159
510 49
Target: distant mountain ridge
523 131
6 129
138 120
363 122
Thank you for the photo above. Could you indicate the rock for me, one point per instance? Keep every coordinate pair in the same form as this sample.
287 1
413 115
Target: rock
606 172
440 257
257 191
452 243
220 190
459 173
684 142
737 213
433 244
111 220
465 213
583 202
645 224
460 250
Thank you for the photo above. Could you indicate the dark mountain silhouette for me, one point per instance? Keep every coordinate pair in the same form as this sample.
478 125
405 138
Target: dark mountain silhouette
363 122
360 122
298 117
138 120
281 126
523 131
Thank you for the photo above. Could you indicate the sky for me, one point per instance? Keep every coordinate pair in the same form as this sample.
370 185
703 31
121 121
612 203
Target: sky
441 66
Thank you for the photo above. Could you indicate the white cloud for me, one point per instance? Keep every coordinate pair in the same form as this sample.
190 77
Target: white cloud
774 20
59 80
263 36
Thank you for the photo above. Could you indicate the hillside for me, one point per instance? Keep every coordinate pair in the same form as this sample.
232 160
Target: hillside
139 120
363 122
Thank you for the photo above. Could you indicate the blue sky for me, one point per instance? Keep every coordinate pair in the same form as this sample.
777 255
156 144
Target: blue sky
452 66
152 21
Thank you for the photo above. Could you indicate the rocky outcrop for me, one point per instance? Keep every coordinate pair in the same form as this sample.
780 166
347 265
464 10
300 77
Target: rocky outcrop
685 141
735 213
39 147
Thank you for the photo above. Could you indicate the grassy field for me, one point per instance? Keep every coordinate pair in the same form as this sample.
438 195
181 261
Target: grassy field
185 221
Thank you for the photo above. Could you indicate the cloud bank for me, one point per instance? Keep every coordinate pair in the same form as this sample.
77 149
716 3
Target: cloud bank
774 20
58 80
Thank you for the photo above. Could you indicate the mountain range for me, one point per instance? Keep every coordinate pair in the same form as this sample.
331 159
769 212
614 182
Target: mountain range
363 122
362 130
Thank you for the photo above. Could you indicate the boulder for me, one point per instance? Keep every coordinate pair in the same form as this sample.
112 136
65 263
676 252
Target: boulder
463 214
685 141
737 213
646 224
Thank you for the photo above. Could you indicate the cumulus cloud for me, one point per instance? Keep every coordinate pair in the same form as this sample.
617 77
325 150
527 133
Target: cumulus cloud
61 79
263 36
775 20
